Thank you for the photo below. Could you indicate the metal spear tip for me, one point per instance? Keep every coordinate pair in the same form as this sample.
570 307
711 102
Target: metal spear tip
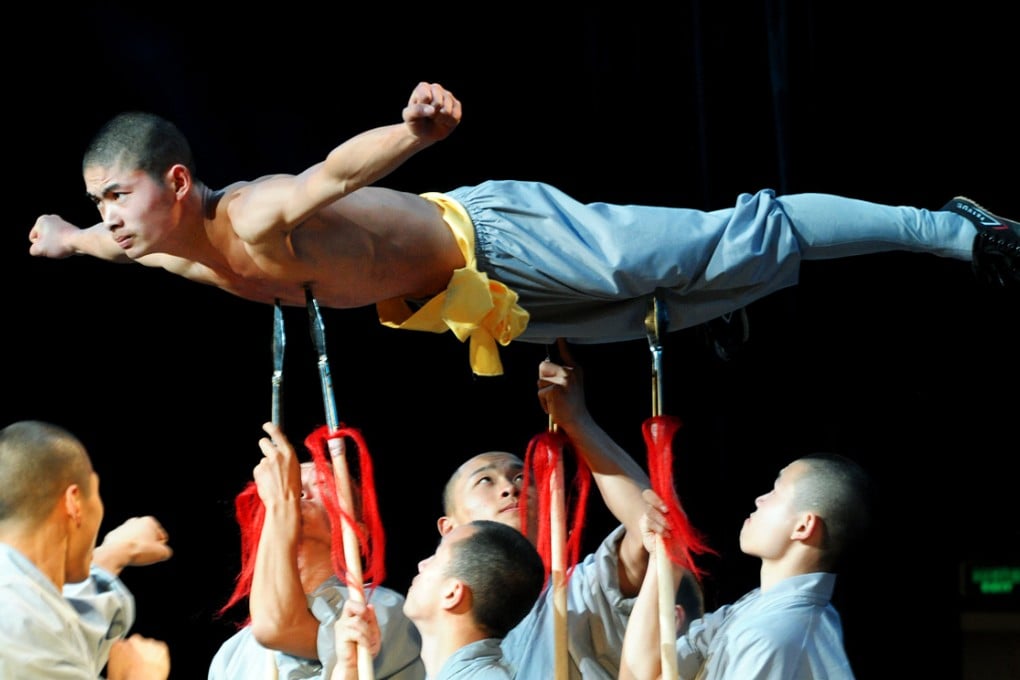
656 321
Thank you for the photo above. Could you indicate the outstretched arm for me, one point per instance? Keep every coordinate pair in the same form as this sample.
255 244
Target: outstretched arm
618 476
137 542
279 609
102 599
282 202
52 236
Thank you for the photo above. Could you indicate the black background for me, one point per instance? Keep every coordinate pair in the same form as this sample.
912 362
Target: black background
900 360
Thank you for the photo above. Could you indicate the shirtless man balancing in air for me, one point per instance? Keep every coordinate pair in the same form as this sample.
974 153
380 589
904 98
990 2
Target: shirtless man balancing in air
494 262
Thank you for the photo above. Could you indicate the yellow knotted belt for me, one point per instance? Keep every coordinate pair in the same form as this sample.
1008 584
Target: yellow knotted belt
473 306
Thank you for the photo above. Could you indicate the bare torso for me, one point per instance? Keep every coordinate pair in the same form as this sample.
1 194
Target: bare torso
371 245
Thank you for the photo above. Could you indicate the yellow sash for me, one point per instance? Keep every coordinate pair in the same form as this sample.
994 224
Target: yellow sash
473 306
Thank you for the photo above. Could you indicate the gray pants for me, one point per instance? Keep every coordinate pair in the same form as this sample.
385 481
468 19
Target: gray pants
584 272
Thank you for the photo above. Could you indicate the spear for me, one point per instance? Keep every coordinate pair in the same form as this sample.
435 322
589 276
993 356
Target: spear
352 552
656 323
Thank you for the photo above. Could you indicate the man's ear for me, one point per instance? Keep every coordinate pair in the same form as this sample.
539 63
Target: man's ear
808 528
680 618
179 179
72 504
445 525
456 596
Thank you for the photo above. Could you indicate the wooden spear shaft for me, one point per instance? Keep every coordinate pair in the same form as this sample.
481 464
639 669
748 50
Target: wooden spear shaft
558 570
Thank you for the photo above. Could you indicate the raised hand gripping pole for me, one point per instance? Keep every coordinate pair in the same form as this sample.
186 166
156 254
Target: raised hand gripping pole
352 551
656 323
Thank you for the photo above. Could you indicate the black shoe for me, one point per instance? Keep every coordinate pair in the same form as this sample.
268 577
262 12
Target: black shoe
727 335
996 254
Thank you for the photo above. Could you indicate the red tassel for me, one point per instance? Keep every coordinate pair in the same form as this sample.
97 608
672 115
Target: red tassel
369 531
544 452
251 513
684 540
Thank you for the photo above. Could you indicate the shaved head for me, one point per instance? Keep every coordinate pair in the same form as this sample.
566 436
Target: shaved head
450 504
38 461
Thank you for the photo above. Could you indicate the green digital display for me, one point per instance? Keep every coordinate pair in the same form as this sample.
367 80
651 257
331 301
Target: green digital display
993 580
990 585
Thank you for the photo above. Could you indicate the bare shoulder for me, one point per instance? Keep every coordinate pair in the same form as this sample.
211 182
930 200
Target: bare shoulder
254 209
235 194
